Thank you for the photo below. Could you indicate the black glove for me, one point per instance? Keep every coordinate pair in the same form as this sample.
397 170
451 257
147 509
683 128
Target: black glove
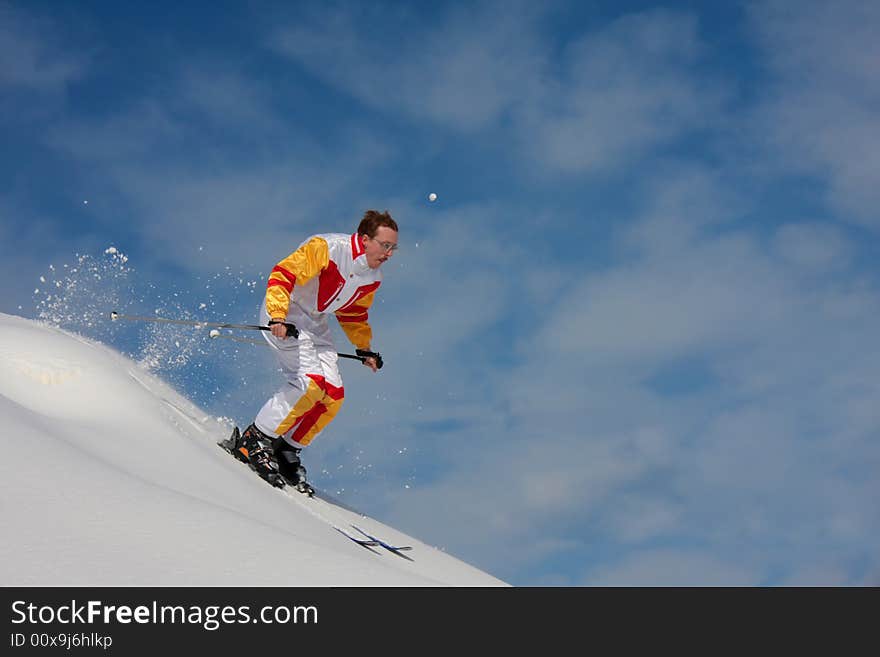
363 353
292 331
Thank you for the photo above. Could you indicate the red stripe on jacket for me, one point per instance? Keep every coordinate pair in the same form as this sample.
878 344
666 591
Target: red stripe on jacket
285 284
284 272
348 319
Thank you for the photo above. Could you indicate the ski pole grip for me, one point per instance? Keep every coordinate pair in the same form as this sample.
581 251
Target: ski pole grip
292 331
363 353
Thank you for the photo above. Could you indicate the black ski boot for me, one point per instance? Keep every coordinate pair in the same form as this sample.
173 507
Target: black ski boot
255 448
290 467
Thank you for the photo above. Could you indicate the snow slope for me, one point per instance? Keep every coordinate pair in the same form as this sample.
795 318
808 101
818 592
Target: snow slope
110 477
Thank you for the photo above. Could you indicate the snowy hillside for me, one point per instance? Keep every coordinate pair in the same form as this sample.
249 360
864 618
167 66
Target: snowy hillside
110 477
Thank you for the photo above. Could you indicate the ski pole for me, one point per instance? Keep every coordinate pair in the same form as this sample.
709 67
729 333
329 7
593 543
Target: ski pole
214 334
114 316
362 355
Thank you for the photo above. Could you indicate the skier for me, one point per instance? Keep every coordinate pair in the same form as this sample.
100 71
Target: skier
329 273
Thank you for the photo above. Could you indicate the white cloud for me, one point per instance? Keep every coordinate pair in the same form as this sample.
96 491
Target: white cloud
226 95
28 246
462 69
678 204
725 291
624 91
196 195
674 568
770 456
820 117
31 55
639 518
613 95
197 219
815 246
121 139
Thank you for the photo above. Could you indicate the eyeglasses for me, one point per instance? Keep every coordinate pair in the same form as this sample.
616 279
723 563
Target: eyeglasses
388 247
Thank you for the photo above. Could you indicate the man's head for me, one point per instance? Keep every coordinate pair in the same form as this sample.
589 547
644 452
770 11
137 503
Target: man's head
379 232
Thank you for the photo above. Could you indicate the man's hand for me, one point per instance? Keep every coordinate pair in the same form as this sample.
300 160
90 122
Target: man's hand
278 328
370 359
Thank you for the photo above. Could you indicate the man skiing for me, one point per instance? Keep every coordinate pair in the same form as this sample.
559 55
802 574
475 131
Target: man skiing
331 273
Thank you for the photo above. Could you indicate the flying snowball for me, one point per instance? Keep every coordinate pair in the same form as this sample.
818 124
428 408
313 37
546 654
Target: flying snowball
432 197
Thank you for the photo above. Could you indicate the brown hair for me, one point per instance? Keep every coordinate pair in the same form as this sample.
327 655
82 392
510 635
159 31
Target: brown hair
372 220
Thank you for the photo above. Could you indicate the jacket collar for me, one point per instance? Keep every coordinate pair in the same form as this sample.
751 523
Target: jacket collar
357 246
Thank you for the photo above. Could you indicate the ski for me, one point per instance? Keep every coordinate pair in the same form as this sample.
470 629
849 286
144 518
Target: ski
305 488
368 542
364 543
394 549
229 444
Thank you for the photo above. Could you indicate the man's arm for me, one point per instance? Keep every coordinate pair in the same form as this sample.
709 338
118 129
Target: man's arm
296 269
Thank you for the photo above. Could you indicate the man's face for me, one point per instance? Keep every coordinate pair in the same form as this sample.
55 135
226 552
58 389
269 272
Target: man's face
381 247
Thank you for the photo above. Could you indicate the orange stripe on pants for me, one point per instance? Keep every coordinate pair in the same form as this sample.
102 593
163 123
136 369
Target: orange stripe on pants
313 411
314 422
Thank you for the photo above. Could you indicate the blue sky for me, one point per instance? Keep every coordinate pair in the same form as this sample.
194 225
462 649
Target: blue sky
634 340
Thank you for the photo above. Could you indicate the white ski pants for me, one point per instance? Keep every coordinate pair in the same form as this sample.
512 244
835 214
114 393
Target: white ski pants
312 393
